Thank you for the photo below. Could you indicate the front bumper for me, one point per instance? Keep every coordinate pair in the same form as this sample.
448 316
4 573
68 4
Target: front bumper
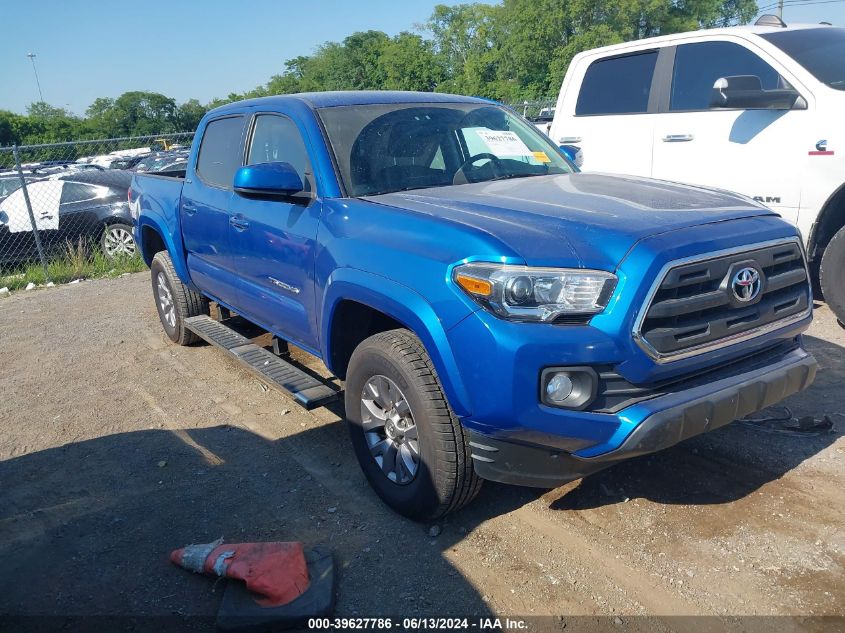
662 422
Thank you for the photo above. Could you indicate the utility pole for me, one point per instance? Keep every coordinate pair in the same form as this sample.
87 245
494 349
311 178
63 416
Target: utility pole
35 70
780 9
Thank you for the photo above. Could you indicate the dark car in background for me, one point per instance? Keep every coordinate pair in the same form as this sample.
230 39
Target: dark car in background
91 206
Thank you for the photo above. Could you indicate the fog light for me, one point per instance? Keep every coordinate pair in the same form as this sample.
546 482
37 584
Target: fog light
568 387
559 388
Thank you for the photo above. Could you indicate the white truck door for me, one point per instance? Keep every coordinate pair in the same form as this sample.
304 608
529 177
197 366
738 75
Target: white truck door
752 152
604 110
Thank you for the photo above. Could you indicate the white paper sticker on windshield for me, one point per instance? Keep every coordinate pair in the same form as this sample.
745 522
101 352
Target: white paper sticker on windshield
504 143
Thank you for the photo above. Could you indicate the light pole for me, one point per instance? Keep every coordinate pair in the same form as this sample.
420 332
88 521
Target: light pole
37 83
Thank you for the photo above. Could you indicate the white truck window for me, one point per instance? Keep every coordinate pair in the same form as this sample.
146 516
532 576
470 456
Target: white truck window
617 85
821 51
698 66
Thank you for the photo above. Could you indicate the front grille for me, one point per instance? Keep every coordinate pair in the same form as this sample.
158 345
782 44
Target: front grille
702 303
615 393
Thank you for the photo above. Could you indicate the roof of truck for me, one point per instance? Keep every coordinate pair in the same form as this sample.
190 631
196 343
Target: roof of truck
351 97
751 29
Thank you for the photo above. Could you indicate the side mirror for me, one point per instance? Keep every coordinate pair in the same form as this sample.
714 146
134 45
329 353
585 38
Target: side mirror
268 179
573 153
746 92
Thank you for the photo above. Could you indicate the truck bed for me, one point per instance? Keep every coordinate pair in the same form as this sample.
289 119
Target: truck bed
157 197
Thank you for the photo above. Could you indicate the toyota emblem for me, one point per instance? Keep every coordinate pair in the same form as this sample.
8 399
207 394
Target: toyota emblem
746 284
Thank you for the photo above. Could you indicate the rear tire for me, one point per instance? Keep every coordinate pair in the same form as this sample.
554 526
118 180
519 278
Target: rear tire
444 479
117 241
175 302
832 274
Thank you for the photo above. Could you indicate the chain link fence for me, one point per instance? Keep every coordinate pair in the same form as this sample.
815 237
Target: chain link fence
540 112
64 212
538 109
64 209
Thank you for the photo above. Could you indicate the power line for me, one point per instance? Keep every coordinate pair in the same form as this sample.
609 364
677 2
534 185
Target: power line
797 3
37 82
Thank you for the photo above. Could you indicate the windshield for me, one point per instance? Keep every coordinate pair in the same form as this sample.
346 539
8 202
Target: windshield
398 147
821 51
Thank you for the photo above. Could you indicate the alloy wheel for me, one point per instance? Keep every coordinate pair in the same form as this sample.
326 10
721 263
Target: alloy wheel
118 241
165 300
390 430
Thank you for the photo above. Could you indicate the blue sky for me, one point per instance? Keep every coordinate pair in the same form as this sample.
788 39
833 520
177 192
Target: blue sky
91 48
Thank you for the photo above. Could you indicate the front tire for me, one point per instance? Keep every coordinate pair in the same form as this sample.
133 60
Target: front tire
832 274
408 441
175 302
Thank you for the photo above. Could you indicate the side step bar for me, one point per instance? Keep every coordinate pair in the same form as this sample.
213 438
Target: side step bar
302 387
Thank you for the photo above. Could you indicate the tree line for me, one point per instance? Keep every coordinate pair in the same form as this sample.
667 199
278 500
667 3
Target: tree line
512 51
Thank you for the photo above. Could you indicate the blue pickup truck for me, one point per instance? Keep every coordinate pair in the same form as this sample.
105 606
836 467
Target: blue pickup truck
492 313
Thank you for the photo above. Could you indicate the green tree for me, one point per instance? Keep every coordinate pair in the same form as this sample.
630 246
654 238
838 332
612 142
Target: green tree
44 110
140 112
408 62
513 50
362 54
188 115
464 38
134 113
10 128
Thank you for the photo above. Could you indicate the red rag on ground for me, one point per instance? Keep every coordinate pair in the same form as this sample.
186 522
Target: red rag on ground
275 571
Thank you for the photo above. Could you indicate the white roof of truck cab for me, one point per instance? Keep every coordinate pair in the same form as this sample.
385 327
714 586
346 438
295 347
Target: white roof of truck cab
677 37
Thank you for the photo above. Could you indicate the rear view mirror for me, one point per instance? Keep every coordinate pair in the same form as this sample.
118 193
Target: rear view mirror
573 153
746 92
273 179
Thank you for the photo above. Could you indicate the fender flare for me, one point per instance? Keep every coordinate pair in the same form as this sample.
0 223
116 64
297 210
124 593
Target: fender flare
174 250
827 209
408 308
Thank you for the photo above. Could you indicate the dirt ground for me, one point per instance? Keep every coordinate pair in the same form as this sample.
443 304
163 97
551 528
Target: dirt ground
117 446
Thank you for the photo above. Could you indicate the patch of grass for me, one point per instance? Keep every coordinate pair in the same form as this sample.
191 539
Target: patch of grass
77 261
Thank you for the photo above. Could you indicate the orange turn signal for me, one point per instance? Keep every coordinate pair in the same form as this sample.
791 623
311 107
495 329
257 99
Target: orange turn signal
475 286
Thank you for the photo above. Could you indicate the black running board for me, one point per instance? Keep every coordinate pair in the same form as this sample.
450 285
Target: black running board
305 389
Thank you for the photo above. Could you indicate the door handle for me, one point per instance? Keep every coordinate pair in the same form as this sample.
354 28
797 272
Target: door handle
239 223
677 138
566 140
188 208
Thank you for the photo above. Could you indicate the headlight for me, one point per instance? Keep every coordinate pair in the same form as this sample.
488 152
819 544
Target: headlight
525 293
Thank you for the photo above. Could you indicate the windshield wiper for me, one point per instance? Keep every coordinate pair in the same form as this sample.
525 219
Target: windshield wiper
509 176
401 189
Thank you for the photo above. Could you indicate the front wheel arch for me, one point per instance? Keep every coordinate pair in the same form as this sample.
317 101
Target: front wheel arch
406 308
829 221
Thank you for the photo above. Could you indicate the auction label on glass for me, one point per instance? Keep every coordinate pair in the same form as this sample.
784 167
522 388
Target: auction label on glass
504 143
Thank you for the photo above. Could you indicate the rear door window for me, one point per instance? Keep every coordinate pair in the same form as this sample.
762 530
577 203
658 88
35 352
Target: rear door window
77 192
698 66
220 151
617 85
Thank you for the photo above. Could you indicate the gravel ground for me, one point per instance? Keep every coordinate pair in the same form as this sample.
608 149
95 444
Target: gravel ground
117 447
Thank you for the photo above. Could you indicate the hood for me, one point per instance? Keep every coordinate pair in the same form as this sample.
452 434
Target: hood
595 217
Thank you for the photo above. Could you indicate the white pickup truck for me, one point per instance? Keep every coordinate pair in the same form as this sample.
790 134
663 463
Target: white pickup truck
759 110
